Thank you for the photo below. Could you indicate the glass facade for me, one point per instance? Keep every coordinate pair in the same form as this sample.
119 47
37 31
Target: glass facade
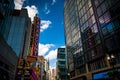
96 23
61 64
108 14
73 37
16 34
16 31
6 7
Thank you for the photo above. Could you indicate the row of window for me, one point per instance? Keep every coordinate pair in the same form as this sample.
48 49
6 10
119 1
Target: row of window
94 53
111 26
61 56
81 70
108 5
113 43
91 42
78 60
90 32
97 64
86 16
83 7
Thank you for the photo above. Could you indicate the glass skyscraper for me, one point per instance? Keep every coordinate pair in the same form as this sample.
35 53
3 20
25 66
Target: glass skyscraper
19 31
92 31
6 7
61 73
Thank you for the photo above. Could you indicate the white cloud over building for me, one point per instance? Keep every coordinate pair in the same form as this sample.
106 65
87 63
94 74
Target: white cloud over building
44 25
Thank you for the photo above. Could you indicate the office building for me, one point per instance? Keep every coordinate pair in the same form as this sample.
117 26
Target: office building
19 32
61 68
92 30
8 58
8 61
6 7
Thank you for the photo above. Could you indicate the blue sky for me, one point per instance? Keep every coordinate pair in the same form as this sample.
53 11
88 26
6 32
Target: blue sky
52 27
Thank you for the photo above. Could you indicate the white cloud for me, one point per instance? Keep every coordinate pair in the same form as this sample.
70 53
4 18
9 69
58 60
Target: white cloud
18 4
52 55
44 48
46 10
32 11
44 24
62 46
53 2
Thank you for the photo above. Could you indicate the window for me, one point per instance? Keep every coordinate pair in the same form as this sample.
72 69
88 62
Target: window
95 29
97 39
93 19
102 21
109 27
89 3
99 11
61 56
104 31
96 3
103 7
116 24
110 44
107 17
101 63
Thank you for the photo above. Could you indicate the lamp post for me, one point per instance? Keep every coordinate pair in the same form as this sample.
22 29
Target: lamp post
68 76
111 58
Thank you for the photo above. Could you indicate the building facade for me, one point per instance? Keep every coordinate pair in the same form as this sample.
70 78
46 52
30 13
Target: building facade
53 74
30 58
46 68
19 30
8 58
92 33
8 61
6 7
34 38
61 69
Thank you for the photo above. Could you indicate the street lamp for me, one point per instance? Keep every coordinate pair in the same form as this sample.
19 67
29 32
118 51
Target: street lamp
68 74
114 73
111 59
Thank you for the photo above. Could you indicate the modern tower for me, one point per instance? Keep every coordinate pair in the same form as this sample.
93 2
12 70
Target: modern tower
61 68
92 30
8 58
19 32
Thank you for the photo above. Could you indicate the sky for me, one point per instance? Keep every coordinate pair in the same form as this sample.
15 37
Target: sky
52 28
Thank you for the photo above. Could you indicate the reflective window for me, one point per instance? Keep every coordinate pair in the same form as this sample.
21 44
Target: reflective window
96 2
107 17
95 29
103 7
104 30
101 21
116 24
109 27
89 3
99 11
